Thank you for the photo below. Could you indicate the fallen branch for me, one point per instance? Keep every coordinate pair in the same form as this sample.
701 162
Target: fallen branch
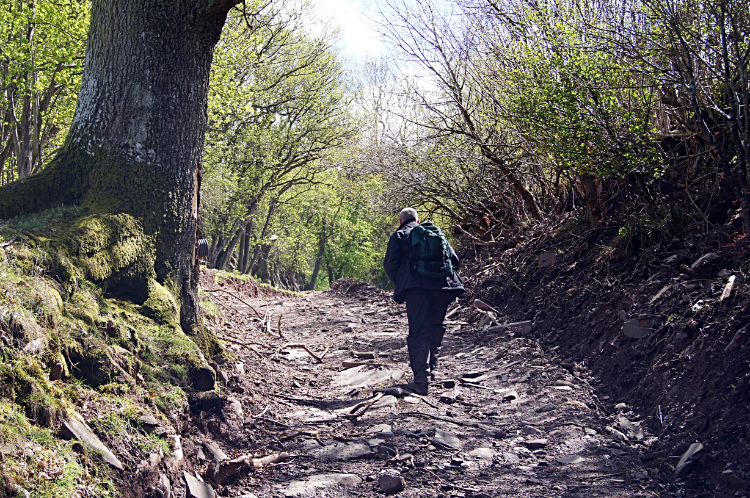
468 383
300 346
245 344
453 312
236 297
424 400
325 353
728 289
245 464
256 352
474 240
360 408
270 420
298 400
352 364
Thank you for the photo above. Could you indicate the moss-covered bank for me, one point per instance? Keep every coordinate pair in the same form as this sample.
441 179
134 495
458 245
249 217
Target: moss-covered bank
85 327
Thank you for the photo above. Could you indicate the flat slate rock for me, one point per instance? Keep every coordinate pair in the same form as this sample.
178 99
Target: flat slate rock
215 451
198 488
530 430
359 377
310 445
567 460
483 453
74 428
149 423
535 444
446 440
391 483
381 430
343 451
313 485
385 402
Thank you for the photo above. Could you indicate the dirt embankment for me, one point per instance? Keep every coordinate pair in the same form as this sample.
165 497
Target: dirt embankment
661 327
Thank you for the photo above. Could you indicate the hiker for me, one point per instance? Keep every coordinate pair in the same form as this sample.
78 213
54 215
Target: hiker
427 283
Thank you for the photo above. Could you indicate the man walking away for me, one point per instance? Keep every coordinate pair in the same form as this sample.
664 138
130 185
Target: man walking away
422 265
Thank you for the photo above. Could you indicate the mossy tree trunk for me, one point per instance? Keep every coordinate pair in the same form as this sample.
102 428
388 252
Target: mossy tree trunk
136 140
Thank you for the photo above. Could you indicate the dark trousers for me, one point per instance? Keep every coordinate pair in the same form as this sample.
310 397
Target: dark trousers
425 309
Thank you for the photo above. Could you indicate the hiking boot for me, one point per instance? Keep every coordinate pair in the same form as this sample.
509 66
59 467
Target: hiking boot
419 385
420 388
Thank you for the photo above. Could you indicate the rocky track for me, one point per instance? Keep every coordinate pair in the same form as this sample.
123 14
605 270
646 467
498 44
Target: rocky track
504 416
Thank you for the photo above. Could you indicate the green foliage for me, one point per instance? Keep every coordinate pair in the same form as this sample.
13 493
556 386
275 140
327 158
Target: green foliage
277 105
278 156
42 43
577 102
644 232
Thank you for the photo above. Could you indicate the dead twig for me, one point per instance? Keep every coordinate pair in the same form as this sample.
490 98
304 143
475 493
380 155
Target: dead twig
325 353
9 243
236 297
245 344
360 408
298 400
270 420
244 464
424 400
352 364
300 346
453 312
498 328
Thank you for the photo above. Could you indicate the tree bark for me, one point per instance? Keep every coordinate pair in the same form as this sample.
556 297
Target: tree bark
244 243
319 257
136 139
591 197
226 254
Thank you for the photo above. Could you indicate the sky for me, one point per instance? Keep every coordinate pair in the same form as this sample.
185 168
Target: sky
359 36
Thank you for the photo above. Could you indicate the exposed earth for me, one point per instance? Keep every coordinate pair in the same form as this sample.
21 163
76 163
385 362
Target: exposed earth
505 416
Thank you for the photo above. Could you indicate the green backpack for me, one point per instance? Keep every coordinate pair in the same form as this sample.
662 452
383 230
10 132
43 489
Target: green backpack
430 254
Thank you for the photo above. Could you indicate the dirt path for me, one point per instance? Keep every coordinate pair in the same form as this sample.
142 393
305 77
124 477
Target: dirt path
504 418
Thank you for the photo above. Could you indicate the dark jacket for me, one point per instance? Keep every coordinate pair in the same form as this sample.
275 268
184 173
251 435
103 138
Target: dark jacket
398 266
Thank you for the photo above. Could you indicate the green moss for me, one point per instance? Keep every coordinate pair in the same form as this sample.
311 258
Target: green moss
59 283
160 304
83 306
169 399
206 341
26 384
113 250
33 459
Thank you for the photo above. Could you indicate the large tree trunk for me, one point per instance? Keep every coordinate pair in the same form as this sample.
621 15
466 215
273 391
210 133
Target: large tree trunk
136 140
319 257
